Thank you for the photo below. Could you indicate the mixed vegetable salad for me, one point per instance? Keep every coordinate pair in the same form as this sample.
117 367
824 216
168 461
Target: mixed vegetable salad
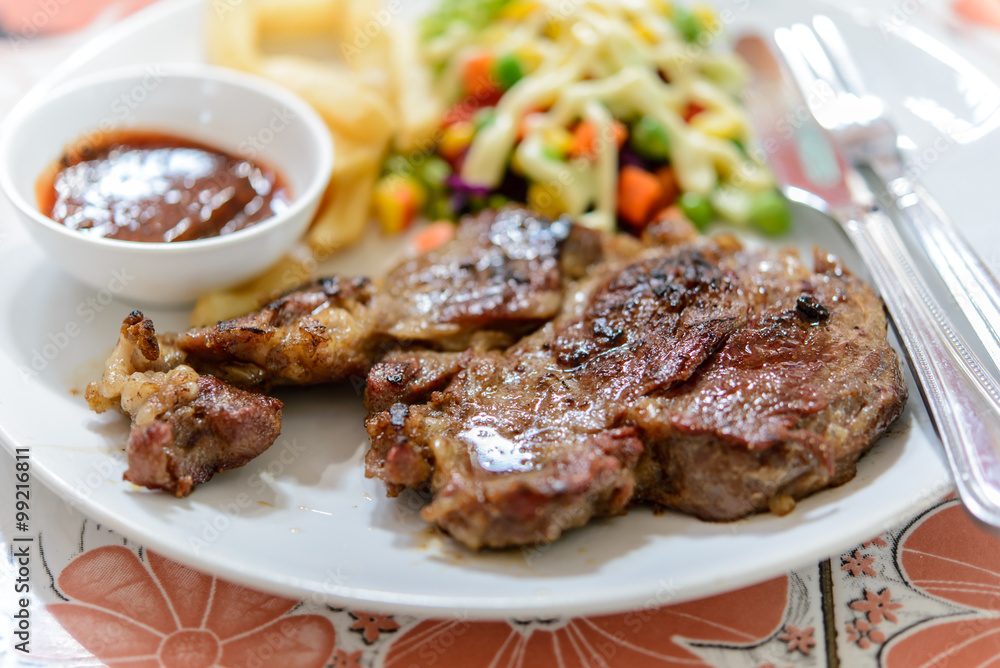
615 112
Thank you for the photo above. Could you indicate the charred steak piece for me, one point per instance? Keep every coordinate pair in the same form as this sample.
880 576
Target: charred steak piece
319 333
503 275
185 427
702 377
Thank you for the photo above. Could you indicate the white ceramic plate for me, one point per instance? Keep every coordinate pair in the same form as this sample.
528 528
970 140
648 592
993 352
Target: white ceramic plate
303 520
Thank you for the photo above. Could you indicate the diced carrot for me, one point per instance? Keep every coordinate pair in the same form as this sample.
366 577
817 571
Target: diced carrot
478 77
692 110
638 193
584 137
433 236
668 181
586 143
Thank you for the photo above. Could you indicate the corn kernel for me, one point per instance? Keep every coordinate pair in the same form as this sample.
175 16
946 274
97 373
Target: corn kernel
545 200
397 201
559 139
456 138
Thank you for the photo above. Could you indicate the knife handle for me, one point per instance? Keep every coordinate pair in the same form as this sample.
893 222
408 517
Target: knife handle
970 282
962 398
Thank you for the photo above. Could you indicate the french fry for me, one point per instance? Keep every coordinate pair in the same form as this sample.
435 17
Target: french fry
352 157
344 212
348 106
380 90
301 18
418 109
232 34
356 15
290 271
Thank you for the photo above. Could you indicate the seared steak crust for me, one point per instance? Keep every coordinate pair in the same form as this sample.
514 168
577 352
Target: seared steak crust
687 377
501 272
319 333
503 275
786 406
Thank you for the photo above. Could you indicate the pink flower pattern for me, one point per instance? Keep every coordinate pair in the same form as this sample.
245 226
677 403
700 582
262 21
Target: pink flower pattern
877 541
342 659
798 639
864 634
858 564
877 606
371 625
164 614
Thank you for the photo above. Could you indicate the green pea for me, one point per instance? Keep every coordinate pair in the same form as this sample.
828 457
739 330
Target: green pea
769 213
697 209
434 172
686 23
508 70
497 201
552 153
439 208
398 164
650 139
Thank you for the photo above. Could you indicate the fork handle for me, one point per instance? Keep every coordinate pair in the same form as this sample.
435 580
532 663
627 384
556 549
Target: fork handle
970 282
962 398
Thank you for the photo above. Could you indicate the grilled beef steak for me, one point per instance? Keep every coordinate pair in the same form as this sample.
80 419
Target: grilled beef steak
532 375
701 377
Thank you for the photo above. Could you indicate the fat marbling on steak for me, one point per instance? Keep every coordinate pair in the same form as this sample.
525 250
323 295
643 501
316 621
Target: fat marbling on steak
701 377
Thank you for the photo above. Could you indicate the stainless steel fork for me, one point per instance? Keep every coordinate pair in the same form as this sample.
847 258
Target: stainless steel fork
859 123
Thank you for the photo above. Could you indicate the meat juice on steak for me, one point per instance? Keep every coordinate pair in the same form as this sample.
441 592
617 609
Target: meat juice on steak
687 377
532 374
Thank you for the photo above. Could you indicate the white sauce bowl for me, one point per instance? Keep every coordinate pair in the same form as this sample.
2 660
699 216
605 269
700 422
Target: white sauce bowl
238 113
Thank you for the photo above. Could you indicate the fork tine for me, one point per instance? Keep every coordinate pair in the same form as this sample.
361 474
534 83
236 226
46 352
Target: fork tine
840 55
817 92
817 57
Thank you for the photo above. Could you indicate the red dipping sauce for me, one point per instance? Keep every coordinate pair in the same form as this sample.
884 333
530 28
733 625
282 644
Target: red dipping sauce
149 186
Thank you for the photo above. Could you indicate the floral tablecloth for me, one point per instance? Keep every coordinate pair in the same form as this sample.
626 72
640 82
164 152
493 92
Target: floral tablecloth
924 593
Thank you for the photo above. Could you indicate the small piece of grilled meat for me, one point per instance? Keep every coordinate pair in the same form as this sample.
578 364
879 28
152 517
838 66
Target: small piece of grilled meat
700 377
186 427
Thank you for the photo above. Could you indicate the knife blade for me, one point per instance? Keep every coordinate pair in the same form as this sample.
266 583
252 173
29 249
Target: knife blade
961 397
